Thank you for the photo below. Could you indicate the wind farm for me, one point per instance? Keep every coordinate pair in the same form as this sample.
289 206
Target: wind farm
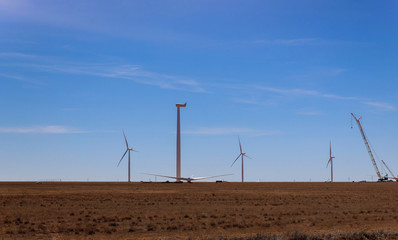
119 120
114 210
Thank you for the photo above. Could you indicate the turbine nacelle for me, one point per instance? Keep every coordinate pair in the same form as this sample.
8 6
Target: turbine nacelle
181 104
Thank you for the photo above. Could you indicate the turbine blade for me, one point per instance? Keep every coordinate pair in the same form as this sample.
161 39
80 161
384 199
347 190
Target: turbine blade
236 160
165 176
327 165
122 157
125 139
247 156
200 178
240 146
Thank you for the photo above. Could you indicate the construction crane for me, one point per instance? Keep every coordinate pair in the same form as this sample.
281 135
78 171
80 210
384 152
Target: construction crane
389 170
381 179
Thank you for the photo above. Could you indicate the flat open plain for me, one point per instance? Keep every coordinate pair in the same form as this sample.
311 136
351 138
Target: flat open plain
198 210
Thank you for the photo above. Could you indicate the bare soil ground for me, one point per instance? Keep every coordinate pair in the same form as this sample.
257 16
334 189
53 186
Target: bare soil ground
197 211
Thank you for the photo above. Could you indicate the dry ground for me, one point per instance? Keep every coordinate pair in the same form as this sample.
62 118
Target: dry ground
198 210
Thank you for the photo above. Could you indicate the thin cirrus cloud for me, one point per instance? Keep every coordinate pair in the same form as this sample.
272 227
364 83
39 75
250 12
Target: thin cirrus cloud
303 92
309 113
381 105
16 55
135 73
290 42
299 92
19 78
83 17
129 72
305 42
247 101
229 131
42 130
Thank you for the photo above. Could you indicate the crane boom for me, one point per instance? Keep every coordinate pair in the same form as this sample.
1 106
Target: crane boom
368 147
385 164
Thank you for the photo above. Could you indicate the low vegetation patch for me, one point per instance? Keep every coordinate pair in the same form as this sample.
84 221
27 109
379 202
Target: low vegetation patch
378 235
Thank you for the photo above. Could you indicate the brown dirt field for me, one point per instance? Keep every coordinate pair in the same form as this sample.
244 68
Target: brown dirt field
198 210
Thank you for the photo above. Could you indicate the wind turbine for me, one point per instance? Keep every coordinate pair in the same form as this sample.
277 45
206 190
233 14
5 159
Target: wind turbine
242 154
127 150
331 162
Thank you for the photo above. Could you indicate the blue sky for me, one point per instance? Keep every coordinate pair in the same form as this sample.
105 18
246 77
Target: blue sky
283 75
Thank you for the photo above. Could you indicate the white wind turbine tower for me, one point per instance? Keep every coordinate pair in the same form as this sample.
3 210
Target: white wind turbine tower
127 150
331 162
242 154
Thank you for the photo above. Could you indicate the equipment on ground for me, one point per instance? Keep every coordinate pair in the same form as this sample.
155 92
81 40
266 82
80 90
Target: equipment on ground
389 170
189 179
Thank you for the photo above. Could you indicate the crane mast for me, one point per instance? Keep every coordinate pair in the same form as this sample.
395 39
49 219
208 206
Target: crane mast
368 148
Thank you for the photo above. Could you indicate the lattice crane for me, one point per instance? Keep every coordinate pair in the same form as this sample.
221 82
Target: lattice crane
382 179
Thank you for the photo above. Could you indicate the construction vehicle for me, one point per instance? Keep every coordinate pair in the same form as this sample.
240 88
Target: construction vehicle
381 178
389 170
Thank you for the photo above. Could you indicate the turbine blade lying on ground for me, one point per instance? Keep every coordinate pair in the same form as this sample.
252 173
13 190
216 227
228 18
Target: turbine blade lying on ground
200 178
163 176
122 157
236 160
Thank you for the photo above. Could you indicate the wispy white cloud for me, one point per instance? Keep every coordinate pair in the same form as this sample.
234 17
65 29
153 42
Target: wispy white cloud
230 131
290 42
16 55
299 92
91 17
295 91
381 105
12 7
42 129
339 97
11 77
320 73
335 71
305 42
304 92
247 101
19 78
130 72
309 113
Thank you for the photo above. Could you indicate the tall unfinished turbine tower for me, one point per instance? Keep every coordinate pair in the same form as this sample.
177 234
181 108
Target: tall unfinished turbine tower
178 155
